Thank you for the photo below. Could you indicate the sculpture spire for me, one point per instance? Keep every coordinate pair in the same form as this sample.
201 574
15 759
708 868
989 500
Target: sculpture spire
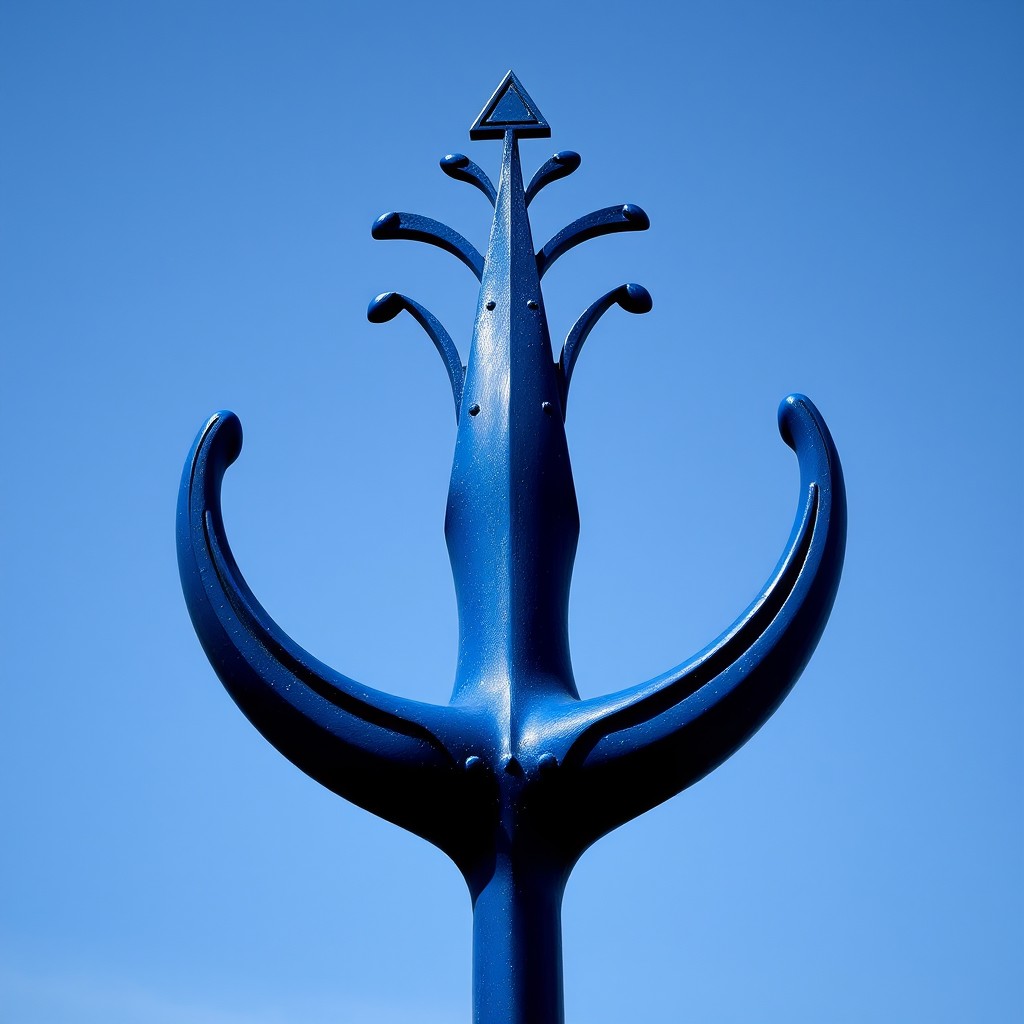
516 776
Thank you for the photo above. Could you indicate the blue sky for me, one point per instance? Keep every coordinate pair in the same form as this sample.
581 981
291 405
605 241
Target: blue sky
836 205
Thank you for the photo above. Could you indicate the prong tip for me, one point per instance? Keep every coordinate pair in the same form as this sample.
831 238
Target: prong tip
636 299
636 215
386 222
384 307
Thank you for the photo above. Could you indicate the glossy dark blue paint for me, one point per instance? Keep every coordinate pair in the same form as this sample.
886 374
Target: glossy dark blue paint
516 776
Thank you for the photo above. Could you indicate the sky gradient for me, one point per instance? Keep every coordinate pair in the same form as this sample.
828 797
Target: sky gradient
836 205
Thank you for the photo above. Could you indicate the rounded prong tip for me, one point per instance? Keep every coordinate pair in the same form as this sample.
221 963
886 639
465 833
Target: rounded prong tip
454 160
567 158
385 222
547 763
384 307
636 215
635 298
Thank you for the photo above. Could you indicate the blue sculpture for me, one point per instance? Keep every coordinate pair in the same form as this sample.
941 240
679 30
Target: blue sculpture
517 775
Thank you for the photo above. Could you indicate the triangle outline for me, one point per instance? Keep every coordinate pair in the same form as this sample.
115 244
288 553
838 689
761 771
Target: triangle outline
487 126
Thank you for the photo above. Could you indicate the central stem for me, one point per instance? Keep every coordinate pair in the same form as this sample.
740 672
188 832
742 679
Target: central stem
512 523
517 944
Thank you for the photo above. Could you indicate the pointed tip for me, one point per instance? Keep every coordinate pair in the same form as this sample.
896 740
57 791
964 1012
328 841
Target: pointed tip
510 109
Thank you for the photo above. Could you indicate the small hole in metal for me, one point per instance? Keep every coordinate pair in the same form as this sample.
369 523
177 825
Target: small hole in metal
474 409
531 303
547 407
490 304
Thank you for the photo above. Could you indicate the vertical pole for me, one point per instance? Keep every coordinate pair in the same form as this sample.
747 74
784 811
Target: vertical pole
517 944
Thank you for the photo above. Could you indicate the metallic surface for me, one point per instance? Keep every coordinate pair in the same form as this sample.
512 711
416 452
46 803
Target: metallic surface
517 775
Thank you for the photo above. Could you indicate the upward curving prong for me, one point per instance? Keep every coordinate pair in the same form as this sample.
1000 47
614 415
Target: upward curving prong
561 165
636 748
388 305
385 753
633 298
601 222
461 168
422 229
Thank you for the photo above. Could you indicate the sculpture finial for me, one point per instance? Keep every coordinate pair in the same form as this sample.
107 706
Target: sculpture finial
510 109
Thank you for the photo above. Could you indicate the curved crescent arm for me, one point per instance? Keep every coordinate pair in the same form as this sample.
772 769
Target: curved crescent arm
423 229
381 752
632 750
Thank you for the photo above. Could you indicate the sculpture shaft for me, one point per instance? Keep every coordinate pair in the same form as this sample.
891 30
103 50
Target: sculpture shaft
517 944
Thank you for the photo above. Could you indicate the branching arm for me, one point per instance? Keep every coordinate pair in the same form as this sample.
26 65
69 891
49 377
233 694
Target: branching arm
601 222
388 305
461 168
561 165
633 298
422 229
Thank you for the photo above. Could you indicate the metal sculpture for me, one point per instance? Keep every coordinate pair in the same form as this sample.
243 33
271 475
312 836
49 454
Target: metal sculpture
517 775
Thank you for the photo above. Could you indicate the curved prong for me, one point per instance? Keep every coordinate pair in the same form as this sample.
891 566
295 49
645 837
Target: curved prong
601 222
388 305
633 298
382 752
461 168
422 229
561 165
634 749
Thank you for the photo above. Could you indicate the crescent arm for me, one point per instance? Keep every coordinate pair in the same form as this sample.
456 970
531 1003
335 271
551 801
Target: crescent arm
379 751
634 749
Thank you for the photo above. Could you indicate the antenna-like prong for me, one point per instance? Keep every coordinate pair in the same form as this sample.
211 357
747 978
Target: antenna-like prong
461 168
422 229
561 165
601 222
388 305
633 298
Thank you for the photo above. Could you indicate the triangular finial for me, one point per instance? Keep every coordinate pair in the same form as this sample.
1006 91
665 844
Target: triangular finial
510 108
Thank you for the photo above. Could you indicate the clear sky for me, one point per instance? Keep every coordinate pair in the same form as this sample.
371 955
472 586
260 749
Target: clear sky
835 192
